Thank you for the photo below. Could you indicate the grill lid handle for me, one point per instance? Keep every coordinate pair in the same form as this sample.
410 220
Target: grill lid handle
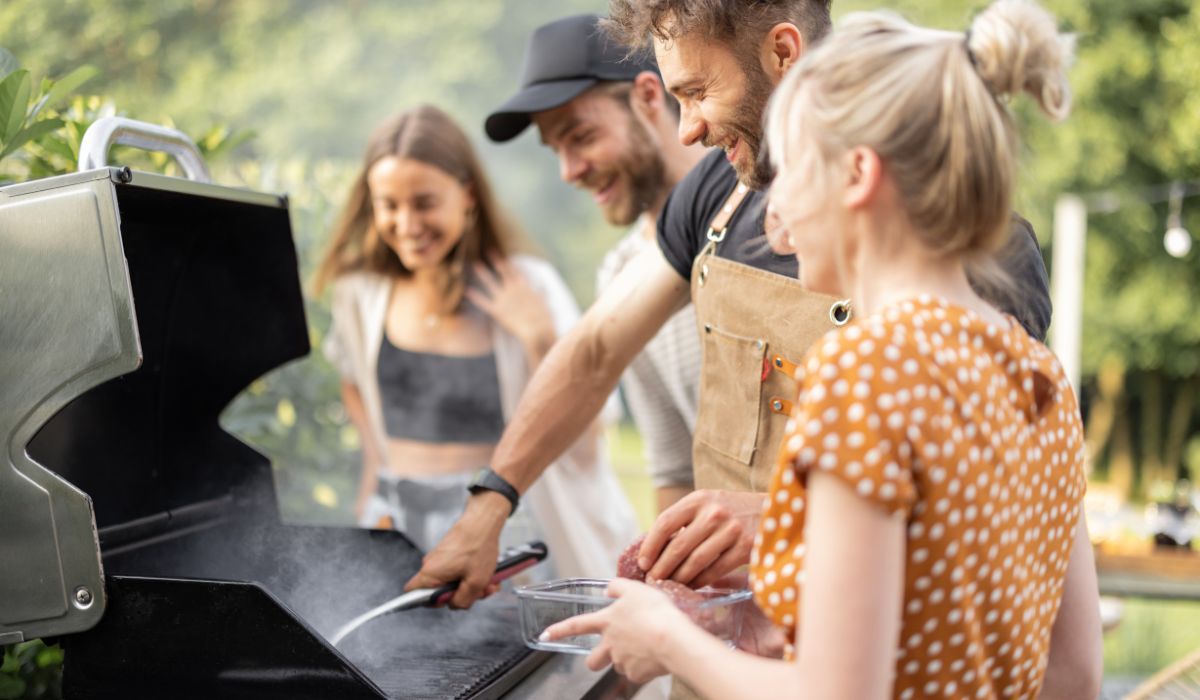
108 131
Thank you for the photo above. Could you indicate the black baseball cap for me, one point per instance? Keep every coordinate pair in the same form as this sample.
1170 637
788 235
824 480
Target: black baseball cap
563 59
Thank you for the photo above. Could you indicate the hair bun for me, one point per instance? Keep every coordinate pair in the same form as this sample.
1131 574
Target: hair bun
1016 47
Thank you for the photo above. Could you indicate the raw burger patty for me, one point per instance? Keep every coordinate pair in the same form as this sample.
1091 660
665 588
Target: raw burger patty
627 566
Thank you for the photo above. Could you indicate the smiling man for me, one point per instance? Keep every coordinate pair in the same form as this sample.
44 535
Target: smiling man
612 127
721 59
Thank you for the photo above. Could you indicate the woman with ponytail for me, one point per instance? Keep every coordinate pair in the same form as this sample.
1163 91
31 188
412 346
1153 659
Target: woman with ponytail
924 533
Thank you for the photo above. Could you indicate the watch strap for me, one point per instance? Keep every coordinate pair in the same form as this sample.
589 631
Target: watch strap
488 480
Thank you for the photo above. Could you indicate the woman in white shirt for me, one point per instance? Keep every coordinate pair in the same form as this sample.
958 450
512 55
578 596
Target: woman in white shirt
437 325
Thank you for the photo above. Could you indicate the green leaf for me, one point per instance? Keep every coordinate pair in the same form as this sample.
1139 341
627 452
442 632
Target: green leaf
11 688
8 62
27 650
65 86
50 657
56 144
14 99
30 133
10 664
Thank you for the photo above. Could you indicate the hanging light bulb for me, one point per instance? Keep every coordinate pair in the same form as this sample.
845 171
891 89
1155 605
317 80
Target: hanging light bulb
1177 240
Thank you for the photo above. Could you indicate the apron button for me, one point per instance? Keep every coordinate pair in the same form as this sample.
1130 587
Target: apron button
777 405
708 328
758 345
779 362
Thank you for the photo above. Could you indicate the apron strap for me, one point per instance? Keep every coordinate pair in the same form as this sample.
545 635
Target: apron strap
720 222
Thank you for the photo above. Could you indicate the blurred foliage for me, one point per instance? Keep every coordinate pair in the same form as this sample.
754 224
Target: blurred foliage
31 670
1135 125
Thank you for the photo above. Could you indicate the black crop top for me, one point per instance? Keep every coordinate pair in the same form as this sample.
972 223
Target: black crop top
439 398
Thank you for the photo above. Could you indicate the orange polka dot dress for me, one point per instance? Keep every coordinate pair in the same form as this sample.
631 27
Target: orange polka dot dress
969 429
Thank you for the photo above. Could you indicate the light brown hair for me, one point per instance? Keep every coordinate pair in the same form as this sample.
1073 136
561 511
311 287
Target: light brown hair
428 135
930 104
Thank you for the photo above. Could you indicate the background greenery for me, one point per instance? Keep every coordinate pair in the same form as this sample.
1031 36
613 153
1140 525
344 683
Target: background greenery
281 95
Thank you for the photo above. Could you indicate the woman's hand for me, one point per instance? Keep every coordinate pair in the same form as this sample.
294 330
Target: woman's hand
506 296
638 630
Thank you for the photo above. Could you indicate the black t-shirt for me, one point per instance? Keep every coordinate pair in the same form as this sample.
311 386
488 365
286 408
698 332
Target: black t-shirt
695 201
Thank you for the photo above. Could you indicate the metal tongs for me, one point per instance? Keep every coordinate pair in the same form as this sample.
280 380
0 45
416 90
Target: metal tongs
511 562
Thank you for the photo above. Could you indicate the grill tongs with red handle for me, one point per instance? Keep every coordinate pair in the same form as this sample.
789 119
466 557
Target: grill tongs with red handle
512 561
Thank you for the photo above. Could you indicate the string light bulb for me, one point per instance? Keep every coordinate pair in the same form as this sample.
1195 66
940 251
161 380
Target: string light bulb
1177 240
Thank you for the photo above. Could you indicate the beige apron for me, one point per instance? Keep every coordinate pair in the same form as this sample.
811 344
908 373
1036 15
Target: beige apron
754 326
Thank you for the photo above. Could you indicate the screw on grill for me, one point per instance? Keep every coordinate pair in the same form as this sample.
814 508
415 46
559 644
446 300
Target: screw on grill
83 597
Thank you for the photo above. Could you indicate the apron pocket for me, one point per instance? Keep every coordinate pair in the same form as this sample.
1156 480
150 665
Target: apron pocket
728 419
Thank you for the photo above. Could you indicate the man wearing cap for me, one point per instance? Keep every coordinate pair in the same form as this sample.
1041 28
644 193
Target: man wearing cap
721 59
612 127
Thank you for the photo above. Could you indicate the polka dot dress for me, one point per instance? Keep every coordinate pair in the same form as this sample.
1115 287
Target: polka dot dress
969 429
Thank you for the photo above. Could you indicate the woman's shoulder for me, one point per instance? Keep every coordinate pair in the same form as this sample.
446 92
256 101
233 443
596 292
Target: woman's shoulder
358 282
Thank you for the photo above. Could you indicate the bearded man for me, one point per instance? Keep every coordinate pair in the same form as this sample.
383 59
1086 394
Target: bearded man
612 127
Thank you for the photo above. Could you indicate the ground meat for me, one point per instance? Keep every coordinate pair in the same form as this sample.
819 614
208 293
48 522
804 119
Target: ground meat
627 566
687 600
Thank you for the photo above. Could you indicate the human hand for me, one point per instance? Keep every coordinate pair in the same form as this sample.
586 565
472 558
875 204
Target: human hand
636 630
467 553
507 297
777 233
703 537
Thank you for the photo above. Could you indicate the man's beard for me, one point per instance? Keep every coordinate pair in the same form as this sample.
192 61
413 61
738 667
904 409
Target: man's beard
644 173
747 125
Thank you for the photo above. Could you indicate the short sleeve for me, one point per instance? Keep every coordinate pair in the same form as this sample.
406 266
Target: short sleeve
689 209
847 421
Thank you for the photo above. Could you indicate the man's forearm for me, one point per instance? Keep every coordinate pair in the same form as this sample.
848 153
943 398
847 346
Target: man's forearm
571 385
563 398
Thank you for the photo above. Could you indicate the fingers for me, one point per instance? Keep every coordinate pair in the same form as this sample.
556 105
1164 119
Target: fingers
424 578
621 586
473 587
721 572
600 657
683 544
589 623
481 301
666 525
725 538
504 269
486 278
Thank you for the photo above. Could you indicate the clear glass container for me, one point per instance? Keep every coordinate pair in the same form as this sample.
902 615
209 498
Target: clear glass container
720 611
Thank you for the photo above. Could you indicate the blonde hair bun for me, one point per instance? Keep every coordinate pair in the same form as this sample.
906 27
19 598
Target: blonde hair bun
1016 47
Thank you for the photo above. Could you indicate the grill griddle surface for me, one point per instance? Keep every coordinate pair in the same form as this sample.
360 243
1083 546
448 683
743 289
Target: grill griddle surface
327 576
434 654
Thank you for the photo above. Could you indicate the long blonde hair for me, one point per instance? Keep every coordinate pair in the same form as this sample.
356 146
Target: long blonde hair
930 103
429 135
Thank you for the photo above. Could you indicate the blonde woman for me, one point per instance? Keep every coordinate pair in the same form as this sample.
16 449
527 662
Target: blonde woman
924 533
437 324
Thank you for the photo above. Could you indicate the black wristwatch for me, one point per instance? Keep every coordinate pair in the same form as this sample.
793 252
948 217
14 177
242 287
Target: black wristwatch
488 480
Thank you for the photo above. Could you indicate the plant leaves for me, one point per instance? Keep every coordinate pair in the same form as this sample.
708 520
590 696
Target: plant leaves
50 656
14 99
8 62
30 133
11 688
65 86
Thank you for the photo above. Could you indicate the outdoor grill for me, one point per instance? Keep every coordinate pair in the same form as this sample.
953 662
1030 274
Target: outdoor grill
133 308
